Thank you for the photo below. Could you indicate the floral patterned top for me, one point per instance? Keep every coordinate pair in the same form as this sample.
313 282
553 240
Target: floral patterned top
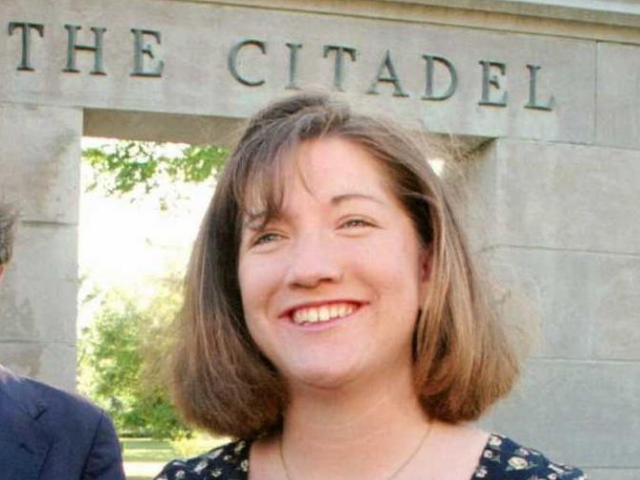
502 459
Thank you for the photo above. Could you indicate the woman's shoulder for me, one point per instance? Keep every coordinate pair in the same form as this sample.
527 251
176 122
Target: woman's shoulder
227 462
503 458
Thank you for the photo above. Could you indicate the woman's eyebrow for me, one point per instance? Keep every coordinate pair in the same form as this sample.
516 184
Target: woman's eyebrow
354 196
255 221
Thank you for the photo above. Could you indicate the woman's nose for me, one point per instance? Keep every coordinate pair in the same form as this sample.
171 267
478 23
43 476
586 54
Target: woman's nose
314 260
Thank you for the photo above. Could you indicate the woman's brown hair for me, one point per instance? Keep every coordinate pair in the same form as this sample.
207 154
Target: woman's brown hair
222 382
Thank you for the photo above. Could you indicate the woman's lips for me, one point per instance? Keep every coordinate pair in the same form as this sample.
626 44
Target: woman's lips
322 315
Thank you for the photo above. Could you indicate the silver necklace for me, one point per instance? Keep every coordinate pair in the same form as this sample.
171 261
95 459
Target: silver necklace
390 477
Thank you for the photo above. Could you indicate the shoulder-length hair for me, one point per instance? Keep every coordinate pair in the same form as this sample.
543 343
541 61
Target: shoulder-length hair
462 357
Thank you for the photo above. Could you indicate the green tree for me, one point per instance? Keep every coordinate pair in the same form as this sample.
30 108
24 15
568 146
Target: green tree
122 353
121 363
129 166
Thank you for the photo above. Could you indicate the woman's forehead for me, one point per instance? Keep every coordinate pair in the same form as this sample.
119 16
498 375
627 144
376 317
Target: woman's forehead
332 170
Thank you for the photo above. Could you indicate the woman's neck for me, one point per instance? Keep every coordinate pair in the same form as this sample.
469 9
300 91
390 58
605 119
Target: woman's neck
363 430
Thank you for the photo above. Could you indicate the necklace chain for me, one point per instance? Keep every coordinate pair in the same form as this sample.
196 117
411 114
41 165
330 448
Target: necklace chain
390 477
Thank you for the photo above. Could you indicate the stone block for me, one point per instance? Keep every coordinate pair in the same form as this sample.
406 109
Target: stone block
556 196
40 159
581 413
52 363
197 38
576 305
40 286
162 127
618 105
613 473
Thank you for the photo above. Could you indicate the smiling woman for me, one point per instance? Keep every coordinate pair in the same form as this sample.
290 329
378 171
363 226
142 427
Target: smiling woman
322 298
333 322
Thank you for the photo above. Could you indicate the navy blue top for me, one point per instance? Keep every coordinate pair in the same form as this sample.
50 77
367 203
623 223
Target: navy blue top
502 459
48 434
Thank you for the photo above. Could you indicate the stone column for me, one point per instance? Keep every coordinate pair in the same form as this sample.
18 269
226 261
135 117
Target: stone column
40 175
560 230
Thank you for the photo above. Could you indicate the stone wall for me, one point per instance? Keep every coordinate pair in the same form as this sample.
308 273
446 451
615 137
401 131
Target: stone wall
562 240
548 89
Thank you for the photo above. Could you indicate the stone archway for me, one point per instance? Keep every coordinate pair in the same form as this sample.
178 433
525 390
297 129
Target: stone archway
552 84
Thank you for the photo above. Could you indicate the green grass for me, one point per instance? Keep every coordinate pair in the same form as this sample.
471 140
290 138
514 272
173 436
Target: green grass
144 457
147 450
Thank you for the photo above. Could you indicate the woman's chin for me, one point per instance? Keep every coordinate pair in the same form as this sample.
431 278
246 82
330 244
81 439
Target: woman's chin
318 378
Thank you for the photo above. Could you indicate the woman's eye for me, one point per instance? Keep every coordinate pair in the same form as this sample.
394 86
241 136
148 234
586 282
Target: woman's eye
356 222
266 238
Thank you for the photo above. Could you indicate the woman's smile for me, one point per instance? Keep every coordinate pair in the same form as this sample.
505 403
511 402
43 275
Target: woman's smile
324 315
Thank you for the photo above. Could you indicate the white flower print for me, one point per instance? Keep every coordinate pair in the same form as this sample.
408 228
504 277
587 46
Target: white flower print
213 454
518 463
495 441
481 471
556 468
200 466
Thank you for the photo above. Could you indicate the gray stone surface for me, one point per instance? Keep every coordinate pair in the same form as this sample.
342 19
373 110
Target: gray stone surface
556 196
618 12
162 127
39 294
613 473
581 413
40 151
197 38
618 103
50 362
573 305
40 159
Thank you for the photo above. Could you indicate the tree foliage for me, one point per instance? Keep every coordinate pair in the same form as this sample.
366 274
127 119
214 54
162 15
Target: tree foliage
121 363
121 353
128 166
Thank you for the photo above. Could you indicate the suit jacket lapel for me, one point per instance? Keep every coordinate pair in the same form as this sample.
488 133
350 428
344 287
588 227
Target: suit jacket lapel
24 444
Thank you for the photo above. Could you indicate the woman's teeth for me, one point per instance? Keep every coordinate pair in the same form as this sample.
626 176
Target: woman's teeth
323 314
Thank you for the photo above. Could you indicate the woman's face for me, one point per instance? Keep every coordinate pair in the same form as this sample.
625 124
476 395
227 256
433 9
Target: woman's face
332 287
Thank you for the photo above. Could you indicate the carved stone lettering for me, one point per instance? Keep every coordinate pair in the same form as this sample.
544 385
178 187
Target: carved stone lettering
96 48
293 65
338 71
533 102
490 80
233 60
25 63
140 50
429 93
389 77
441 77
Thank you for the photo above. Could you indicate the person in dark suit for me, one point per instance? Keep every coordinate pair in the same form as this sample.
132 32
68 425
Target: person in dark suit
45 433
